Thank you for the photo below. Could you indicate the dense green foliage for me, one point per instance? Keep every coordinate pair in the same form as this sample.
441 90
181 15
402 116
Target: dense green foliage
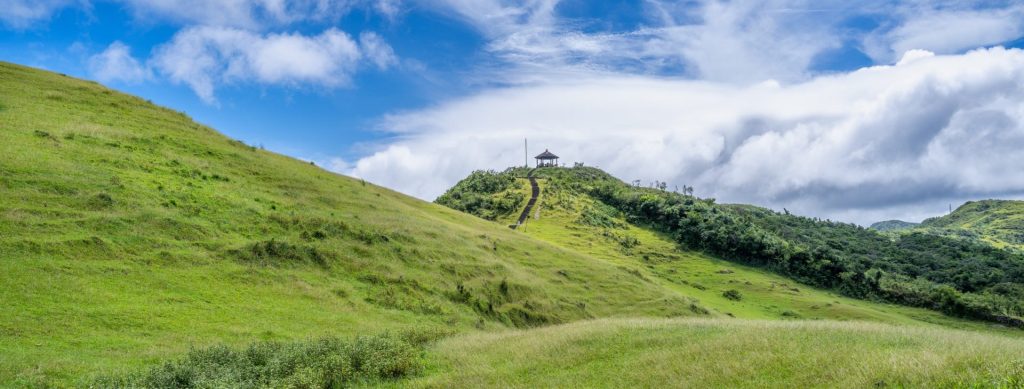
959 277
485 194
892 225
327 362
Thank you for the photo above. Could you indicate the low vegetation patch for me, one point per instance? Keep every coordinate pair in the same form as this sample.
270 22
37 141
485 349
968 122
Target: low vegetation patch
485 194
732 294
279 253
327 362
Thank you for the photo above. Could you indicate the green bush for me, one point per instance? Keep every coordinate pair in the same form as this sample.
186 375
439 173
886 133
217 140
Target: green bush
732 294
278 253
323 363
485 194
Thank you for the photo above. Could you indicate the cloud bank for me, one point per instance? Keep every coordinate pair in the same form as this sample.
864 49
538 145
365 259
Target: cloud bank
204 58
855 146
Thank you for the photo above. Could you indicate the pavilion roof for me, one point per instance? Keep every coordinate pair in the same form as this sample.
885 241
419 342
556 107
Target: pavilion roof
546 155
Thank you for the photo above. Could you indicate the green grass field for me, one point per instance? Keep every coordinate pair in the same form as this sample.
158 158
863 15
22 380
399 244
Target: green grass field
700 353
130 234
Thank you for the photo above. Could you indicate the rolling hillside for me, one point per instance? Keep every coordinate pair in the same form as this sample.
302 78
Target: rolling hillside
130 235
998 222
960 277
129 232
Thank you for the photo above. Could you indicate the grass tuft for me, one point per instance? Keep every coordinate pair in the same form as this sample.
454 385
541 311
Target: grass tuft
280 253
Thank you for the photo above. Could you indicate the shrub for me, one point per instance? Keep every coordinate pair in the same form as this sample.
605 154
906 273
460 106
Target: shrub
276 253
732 294
322 363
484 194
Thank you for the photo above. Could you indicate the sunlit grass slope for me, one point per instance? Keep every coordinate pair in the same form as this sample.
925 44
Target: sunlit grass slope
566 218
703 353
129 233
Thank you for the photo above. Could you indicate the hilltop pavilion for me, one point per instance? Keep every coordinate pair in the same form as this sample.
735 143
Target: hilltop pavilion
546 159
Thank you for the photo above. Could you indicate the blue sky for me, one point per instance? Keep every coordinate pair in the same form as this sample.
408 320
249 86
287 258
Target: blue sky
414 94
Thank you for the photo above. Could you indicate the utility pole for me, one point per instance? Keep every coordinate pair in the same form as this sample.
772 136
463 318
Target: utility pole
526 154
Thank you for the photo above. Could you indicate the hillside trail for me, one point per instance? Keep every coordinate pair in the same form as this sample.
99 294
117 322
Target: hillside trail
534 193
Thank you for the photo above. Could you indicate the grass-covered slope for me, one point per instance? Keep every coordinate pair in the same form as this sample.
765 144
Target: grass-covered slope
998 222
957 276
574 220
719 353
129 233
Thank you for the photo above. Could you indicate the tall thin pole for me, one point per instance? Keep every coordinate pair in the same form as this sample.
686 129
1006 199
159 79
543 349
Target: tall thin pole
526 154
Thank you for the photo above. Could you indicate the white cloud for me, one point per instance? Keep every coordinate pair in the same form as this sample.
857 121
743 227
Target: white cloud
251 14
930 130
730 41
377 50
712 40
946 30
21 14
204 57
117 64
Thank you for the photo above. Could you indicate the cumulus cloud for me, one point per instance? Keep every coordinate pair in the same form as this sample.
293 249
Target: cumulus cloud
204 57
117 64
912 136
24 13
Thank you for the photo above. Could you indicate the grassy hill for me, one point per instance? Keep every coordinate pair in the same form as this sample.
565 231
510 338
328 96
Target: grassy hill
956 276
130 235
579 222
998 222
